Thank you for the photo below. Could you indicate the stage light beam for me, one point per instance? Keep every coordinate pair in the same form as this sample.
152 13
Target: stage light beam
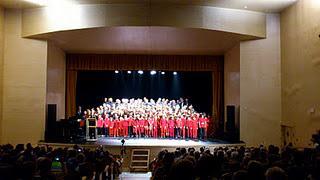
153 72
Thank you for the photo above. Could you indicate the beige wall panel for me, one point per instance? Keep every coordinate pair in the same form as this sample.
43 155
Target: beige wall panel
56 75
300 56
260 88
232 79
50 19
24 84
1 63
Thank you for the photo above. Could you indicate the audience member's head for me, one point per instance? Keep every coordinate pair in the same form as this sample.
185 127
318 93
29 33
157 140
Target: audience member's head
183 151
276 173
27 170
255 170
182 169
44 166
168 159
240 175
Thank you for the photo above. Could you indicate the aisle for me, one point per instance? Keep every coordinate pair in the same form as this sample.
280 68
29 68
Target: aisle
134 176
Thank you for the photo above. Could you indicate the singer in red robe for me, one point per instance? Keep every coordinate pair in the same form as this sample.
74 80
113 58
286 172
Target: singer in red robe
189 124
135 125
155 128
141 126
125 125
130 126
163 127
150 128
178 128
111 128
194 127
116 127
171 125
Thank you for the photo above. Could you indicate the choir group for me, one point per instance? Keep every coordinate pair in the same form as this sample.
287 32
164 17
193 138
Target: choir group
162 118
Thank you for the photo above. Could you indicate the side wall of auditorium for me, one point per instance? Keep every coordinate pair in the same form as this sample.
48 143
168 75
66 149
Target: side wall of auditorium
232 80
260 87
24 84
300 55
1 63
56 78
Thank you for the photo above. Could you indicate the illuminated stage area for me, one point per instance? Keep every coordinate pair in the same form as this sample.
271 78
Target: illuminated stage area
157 142
177 100
108 142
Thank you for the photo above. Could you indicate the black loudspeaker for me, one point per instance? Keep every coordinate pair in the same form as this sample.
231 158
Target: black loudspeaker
231 118
232 133
51 123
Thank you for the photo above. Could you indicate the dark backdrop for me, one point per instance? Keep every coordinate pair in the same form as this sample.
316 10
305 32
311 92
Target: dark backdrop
94 86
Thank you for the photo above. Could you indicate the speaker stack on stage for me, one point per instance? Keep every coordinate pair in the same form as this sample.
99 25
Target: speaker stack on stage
232 132
51 125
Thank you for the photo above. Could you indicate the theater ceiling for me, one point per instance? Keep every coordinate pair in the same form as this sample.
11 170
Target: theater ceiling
254 5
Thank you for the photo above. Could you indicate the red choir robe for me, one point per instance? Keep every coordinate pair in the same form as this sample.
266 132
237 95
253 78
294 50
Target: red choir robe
125 124
171 127
163 127
195 128
100 122
111 128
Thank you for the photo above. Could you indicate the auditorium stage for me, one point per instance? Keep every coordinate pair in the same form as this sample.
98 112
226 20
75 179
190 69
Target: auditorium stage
150 142
158 142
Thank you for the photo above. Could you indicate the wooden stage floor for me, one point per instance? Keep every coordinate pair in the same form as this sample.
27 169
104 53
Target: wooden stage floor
150 142
158 142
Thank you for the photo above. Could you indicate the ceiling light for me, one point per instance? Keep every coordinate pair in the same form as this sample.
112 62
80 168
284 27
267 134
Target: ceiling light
140 72
129 72
245 7
175 73
116 71
153 72
52 2
38 2
163 73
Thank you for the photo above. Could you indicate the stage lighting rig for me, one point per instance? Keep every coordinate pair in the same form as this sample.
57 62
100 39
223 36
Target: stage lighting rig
153 72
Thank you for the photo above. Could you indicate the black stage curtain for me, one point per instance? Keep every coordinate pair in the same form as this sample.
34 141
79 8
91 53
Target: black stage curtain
87 62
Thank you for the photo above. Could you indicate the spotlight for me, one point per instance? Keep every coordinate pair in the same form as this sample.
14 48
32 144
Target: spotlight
140 72
129 72
116 71
163 73
175 73
153 72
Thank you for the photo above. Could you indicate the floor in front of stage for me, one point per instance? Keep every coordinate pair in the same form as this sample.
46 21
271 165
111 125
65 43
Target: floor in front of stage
158 142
